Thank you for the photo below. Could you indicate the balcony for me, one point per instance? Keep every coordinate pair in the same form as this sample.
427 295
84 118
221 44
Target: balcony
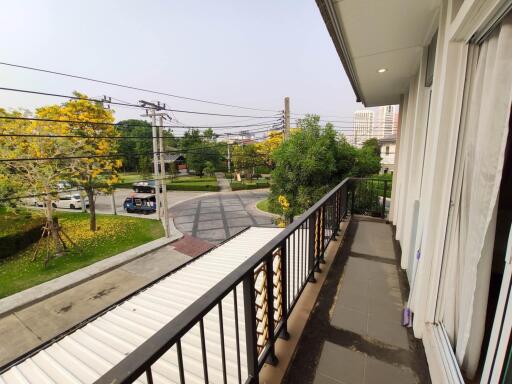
327 287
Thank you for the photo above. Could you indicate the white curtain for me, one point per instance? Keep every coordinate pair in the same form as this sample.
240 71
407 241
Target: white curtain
477 177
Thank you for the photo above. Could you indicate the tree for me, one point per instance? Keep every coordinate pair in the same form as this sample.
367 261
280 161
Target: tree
97 166
367 159
269 145
209 169
245 158
372 145
305 165
134 146
200 149
41 176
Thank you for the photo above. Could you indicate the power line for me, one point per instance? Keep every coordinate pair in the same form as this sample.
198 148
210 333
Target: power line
117 155
133 125
129 105
133 87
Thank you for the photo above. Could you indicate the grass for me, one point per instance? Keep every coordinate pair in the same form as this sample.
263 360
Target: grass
264 205
193 183
115 234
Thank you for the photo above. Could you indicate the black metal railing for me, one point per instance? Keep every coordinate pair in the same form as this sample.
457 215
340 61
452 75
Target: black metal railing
370 196
254 301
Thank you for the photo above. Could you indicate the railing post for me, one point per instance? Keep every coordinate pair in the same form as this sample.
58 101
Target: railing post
322 224
384 199
272 358
250 328
313 233
353 188
283 333
334 217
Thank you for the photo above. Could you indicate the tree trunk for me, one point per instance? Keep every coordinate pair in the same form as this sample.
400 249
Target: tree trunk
52 226
92 208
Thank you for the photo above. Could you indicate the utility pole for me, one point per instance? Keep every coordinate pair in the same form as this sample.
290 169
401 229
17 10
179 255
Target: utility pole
286 118
229 157
164 185
153 108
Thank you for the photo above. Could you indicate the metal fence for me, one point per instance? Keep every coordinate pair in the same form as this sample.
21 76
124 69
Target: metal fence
370 197
259 296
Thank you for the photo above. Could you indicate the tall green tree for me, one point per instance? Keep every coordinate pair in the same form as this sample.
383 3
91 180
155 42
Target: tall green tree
199 149
367 159
305 165
245 158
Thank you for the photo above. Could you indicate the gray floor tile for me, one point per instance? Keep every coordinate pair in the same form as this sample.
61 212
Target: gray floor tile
353 300
385 311
350 320
389 332
378 372
322 379
341 364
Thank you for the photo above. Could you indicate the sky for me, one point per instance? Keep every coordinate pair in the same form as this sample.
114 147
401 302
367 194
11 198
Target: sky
249 53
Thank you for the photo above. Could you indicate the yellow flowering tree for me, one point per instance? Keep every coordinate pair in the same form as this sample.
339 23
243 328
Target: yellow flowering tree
266 147
34 177
95 166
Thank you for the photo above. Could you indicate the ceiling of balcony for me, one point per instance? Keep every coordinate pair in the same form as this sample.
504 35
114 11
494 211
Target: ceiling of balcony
386 34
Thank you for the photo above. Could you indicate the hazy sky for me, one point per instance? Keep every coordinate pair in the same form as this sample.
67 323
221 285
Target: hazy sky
250 53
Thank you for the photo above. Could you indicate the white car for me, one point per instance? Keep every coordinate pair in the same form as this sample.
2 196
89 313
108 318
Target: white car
70 201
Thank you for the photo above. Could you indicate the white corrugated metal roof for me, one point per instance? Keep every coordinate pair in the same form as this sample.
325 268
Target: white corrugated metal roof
85 354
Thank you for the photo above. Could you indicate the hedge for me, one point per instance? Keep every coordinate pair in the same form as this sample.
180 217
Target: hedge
193 187
237 186
13 243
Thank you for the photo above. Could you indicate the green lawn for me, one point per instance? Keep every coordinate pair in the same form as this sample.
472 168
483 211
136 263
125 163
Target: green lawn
264 206
128 178
115 234
193 183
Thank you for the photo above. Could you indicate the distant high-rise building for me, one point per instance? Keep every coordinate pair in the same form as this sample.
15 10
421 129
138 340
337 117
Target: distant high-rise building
363 126
386 122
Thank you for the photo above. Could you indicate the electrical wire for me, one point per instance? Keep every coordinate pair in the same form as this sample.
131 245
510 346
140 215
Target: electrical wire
121 124
133 87
107 101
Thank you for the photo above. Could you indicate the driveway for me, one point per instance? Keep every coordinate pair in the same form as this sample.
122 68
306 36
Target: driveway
215 218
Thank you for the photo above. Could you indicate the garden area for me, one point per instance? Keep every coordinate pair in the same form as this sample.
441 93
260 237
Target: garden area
179 183
249 184
115 234
193 183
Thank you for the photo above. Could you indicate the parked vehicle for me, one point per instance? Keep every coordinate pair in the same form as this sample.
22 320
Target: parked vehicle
141 203
145 186
70 201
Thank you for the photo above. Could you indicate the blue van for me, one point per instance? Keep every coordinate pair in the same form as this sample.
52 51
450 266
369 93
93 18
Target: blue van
141 203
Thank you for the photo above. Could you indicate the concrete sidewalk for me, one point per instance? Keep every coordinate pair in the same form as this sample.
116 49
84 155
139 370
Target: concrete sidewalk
355 335
25 329
223 182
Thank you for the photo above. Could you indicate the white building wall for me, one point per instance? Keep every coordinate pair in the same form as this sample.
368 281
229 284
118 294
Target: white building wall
427 148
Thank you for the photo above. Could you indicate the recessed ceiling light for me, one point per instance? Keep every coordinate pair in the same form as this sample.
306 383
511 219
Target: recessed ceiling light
382 70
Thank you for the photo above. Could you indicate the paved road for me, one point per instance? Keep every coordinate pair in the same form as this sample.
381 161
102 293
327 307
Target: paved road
217 217
104 202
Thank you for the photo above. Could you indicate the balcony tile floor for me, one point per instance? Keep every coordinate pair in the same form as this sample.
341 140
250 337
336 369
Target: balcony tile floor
355 336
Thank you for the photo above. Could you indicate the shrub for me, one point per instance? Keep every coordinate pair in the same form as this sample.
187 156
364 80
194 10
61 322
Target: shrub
237 186
12 243
193 187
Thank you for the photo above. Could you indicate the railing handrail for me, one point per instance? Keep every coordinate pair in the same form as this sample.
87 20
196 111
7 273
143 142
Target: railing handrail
134 364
